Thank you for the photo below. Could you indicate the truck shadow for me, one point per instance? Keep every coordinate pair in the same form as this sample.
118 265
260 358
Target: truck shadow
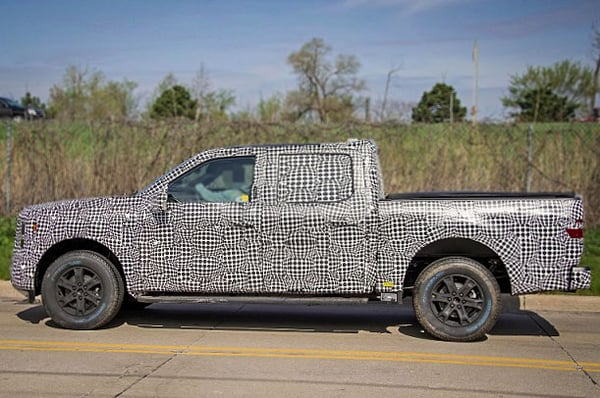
376 318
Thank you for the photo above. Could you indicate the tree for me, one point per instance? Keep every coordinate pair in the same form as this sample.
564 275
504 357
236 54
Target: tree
214 104
565 79
87 95
175 101
166 83
326 86
394 110
210 104
439 105
34 102
545 105
390 76
270 110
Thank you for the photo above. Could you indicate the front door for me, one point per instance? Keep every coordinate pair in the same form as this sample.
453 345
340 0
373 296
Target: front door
207 240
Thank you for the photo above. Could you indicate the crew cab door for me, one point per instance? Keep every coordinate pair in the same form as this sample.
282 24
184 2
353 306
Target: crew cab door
206 238
315 225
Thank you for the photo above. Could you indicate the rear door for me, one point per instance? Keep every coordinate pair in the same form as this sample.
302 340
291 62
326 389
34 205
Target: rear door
315 226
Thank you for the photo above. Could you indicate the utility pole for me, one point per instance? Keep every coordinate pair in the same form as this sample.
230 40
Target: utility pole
8 163
474 109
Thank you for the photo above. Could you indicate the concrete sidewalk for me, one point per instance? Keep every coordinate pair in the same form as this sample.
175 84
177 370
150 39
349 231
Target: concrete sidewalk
531 302
559 302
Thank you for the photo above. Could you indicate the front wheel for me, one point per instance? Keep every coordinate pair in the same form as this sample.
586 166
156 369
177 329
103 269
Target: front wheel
456 299
82 290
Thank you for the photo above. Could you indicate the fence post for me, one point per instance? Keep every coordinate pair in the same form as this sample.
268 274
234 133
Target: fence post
529 157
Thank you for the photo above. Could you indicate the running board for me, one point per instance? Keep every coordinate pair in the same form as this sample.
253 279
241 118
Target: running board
250 300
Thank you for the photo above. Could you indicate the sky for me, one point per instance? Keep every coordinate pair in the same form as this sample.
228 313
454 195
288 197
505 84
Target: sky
243 45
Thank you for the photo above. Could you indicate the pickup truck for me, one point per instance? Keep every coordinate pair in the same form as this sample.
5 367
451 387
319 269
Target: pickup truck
297 223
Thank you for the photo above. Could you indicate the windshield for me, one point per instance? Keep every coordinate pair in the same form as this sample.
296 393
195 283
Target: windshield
11 102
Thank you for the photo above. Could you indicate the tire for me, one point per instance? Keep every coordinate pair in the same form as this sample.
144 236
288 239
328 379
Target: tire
82 290
457 299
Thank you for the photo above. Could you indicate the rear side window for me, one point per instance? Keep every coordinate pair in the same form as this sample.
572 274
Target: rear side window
306 178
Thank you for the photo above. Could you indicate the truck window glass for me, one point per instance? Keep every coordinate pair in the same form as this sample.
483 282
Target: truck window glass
306 178
215 181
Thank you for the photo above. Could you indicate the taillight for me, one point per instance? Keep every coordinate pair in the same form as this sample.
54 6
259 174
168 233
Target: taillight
577 231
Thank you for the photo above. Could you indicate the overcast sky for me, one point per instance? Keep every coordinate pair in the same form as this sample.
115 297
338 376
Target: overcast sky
244 44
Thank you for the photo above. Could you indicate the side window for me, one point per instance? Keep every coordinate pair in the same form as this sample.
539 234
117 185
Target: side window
215 181
314 178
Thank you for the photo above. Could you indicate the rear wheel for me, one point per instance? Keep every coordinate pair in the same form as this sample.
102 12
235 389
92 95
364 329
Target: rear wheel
456 299
82 290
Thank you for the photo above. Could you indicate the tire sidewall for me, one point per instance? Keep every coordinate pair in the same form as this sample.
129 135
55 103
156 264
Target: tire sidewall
112 290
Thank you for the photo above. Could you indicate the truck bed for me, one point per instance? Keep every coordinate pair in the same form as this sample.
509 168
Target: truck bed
457 195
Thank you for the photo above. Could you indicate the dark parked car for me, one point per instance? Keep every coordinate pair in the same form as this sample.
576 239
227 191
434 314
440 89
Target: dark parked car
12 109
35 113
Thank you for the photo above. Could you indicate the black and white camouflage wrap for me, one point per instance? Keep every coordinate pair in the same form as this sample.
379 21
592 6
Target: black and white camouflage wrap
528 235
316 223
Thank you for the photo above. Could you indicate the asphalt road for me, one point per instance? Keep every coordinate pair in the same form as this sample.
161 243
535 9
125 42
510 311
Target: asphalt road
226 350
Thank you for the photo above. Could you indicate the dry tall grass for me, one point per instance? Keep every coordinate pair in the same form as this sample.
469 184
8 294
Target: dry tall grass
53 160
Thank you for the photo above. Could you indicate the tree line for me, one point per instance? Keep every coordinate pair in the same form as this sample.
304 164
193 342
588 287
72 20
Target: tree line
329 89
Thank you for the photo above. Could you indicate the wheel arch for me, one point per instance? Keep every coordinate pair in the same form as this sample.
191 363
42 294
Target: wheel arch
68 245
457 247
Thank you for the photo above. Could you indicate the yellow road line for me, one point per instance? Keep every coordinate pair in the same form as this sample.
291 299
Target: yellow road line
415 357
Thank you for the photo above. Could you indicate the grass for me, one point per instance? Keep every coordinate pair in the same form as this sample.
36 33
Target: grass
7 239
591 254
591 258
